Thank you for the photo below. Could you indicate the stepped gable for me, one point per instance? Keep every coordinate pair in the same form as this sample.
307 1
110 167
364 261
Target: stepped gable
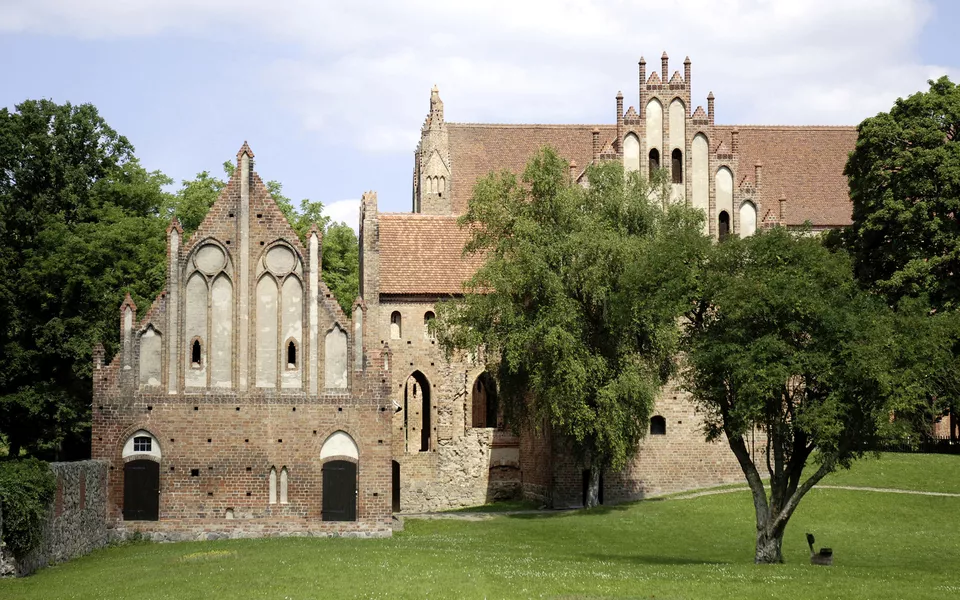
423 254
805 164
268 219
478 149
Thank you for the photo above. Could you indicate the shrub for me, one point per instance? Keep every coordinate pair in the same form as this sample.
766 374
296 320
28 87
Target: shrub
27 487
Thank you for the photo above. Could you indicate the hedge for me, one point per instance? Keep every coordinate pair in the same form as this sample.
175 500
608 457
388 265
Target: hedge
27 486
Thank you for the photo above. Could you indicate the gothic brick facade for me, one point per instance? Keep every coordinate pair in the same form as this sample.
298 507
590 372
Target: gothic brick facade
241 404
245 402
743 177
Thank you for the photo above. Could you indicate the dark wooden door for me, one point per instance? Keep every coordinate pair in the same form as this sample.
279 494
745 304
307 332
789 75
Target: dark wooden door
396 486
141 490
339 491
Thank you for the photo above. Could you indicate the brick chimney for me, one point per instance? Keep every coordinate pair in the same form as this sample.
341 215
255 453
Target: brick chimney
596 145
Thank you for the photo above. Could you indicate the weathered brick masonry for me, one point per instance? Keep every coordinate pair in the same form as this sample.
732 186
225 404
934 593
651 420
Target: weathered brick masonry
245 383
742 177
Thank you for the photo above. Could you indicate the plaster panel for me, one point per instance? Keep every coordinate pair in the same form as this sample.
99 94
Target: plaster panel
267 332
335 359
195 327
150 366
292 329
221 339
700 181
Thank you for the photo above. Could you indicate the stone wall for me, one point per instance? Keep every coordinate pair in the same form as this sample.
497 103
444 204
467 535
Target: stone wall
77 519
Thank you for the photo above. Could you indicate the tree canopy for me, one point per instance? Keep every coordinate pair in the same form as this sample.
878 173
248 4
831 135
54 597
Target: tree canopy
83 224
576 306
905 185
784 348
80 223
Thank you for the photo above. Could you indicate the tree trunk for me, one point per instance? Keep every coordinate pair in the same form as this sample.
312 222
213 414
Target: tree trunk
13 451
769 545
593 487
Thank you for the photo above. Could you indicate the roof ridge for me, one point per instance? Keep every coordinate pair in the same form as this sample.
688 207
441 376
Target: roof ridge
519 125
807 127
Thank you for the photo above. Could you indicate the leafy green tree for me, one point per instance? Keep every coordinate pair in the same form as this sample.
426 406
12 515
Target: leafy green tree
341 260
576 307
81 227
193 200
784 344
905 185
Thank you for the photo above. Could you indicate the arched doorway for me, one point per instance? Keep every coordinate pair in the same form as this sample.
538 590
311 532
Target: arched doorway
417 411
141 477
486 407
339 474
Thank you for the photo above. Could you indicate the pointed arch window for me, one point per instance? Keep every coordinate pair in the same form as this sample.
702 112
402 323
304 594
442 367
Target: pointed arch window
291 354
272 490
677 166
654 161
724 225
196 354
283 485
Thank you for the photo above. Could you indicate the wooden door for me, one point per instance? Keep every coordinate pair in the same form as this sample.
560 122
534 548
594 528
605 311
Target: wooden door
141 490
339 491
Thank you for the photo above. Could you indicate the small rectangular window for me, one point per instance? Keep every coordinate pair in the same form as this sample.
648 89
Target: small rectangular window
141 444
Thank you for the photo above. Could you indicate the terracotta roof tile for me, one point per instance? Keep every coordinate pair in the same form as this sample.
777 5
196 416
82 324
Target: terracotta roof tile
423 254
803 163
476 150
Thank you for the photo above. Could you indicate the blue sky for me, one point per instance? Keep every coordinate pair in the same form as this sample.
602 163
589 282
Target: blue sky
331 96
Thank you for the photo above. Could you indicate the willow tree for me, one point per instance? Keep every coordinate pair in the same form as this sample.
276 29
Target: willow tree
576 306
783 343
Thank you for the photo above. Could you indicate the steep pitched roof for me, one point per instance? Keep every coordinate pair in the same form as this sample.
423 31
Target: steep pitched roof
478 149
805 164
423 254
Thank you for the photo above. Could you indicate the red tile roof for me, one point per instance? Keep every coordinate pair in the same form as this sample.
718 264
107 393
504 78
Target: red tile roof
476 150
423 254
805 164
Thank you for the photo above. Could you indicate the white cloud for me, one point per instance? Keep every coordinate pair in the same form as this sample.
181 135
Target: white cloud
344 211
362 70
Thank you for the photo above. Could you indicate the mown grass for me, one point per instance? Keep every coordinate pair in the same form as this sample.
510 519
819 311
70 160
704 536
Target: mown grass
885 545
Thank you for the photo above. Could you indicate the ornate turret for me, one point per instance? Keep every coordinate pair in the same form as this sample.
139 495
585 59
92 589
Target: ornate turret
432 163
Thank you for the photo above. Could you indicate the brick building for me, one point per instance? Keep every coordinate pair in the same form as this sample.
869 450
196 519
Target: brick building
241 404
245 402
449 447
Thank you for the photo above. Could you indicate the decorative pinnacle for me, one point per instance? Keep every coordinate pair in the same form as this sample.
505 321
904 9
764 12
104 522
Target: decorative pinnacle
128 301
686 61
244 149
174 224
664 56
643 61
710 96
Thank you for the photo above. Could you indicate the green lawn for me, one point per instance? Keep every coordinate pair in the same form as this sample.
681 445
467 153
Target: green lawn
885 545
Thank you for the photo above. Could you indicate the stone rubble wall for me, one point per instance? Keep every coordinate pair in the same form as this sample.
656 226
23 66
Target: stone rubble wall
76 521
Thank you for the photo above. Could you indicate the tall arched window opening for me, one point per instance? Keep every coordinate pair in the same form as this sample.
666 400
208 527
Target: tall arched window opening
654 161
418 408
428 317
395 325
724 222
486 408
677 166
